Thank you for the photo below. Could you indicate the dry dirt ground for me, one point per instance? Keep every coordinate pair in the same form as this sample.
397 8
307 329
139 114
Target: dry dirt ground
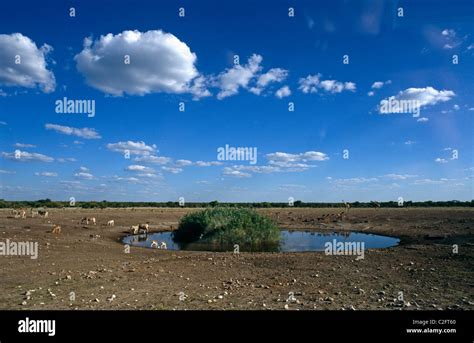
88 264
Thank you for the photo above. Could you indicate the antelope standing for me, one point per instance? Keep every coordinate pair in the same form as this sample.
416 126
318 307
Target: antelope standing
143 228
56 229
134 229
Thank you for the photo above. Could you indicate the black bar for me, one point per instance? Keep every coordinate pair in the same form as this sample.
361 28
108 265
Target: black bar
157 325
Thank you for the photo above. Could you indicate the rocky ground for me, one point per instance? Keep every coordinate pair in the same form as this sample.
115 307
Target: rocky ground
86 266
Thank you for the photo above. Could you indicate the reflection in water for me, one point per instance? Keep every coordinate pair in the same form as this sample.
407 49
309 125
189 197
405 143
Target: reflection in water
290 241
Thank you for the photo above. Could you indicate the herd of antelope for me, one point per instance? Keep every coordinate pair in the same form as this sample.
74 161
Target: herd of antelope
22 212
139 229
162 245
336 217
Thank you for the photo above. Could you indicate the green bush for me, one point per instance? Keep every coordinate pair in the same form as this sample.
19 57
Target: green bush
224 226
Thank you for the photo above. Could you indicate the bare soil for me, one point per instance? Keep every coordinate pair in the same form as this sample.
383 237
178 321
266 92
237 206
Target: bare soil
88 264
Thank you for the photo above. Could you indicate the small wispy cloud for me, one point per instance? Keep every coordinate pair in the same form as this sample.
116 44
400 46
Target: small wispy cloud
283 92
47 174
86 133
172 170
84 174
139 168
24 156
23 145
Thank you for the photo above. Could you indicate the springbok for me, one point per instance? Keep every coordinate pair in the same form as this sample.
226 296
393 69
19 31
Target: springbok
56 229
134 229
43 213
110 223
348 206
19 213
340 216
87 219
143 228
23 214
326 218
162 245
277 215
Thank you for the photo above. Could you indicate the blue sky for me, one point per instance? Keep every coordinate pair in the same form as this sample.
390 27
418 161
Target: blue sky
284 61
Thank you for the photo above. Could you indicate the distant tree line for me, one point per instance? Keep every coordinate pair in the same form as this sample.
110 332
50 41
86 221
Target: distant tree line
48 203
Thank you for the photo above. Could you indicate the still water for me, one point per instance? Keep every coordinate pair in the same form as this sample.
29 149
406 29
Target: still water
290 241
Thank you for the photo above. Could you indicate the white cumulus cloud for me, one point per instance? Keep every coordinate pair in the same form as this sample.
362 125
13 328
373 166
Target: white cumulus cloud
230 80
158 62
273 75
426 96
31 71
